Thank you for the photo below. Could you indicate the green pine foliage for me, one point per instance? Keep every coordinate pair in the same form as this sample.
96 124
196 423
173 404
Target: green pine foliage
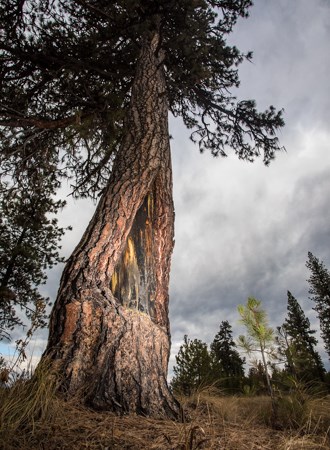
319 282
260 336
29 245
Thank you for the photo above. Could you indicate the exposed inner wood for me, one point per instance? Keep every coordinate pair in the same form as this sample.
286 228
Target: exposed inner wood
133 282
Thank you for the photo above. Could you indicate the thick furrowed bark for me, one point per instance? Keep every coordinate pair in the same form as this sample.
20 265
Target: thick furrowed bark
109 331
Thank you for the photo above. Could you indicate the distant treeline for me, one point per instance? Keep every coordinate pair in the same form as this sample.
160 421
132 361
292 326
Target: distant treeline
282 357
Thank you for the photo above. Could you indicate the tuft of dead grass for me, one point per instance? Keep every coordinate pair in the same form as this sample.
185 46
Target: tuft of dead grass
33 417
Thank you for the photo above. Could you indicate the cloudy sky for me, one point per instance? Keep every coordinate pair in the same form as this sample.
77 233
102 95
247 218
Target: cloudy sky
243 229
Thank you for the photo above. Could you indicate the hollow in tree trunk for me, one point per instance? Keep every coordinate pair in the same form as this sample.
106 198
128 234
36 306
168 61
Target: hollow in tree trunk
109 330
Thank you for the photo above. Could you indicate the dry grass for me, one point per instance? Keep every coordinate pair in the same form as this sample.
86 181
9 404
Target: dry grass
33 417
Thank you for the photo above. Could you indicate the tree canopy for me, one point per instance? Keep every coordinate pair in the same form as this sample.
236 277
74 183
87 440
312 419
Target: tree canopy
67 68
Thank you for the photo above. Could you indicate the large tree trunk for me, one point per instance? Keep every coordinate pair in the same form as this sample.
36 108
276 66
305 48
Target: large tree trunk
109 332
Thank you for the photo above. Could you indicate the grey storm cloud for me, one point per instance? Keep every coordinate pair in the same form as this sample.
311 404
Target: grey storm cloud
245 229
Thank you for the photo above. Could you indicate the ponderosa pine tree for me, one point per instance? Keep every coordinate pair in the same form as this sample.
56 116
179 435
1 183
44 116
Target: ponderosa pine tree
92 82
304 359
319 283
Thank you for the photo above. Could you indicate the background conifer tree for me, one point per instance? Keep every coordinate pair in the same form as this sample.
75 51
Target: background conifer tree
193 368
227 362
305 359
319 282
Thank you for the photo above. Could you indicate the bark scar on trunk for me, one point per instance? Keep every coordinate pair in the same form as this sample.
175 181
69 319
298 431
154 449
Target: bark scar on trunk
133 282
